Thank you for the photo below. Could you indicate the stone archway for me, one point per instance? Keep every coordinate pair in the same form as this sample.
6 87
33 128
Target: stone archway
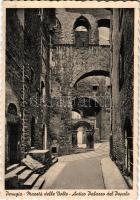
82 134
90 72
14 134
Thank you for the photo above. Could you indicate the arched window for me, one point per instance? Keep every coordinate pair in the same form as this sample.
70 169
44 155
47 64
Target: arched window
104 31
12 109
81 31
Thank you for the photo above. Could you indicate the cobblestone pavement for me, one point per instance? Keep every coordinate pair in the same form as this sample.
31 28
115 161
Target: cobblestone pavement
78 171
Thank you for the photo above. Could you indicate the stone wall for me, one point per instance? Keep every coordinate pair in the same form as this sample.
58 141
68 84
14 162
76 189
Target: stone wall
14 71
68 63
42 66
122 98
26 69
67 17
84 88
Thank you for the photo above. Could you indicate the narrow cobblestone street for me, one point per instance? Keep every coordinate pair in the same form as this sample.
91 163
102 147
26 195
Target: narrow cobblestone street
78 171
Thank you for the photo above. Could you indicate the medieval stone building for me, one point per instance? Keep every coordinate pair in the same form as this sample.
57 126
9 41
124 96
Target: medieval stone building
63 68
56 69
122 89
27 83
80 68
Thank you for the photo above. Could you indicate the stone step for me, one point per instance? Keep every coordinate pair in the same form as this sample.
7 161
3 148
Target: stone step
11 167
24 175
30 181
55 160
11 182
104 140
15 172
20 169
10 176
39 183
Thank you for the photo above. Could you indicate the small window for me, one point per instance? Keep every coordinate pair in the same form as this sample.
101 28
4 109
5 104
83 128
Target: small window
104 31
12 109
95 88
54 150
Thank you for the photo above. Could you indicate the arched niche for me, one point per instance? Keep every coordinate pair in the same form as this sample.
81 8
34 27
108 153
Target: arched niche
81 30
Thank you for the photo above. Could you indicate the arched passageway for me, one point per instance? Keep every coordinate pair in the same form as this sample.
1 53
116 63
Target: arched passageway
82 135
91 73
14 134
92 95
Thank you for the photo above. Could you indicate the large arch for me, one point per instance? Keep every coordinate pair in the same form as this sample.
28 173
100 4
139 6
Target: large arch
82 21
82 75
94 73
82 123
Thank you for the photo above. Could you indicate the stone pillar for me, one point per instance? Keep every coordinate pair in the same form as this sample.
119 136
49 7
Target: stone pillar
90 139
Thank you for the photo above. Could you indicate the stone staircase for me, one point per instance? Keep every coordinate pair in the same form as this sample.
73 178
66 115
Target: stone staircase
19 176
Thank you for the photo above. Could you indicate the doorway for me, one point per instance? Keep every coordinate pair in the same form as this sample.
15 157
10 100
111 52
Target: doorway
33 132
13 142
128 148
81 137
